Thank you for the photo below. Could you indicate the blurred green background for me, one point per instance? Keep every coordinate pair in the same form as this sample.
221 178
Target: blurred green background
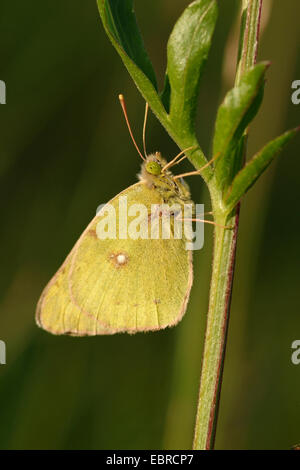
64 150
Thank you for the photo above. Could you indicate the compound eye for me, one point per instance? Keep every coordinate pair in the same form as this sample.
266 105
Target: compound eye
153 168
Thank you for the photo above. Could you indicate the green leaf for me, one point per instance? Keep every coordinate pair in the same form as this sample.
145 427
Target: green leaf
255 167
120 24
188 48
120 19
238 109
166 94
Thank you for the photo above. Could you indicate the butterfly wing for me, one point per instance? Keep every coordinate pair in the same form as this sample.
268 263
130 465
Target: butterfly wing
115 285
56 312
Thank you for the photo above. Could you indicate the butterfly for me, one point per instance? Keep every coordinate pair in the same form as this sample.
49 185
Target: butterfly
120 284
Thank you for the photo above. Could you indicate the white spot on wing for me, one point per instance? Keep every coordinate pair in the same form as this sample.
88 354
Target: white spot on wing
121 259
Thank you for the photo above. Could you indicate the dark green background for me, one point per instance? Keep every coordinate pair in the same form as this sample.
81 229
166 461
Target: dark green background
64 150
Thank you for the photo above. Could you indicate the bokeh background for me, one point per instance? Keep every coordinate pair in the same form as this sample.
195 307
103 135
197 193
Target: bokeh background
64 150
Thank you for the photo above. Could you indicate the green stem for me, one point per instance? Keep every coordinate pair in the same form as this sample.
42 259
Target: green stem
215 337
223 268
251 12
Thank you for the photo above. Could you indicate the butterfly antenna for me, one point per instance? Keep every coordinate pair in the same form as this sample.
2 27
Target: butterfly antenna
144 129
122 101
174 161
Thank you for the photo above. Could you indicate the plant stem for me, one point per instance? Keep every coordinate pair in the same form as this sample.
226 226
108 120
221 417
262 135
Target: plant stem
215 337
223 267
251 13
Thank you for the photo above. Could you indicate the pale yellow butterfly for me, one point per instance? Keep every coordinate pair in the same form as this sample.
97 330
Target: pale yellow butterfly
106 286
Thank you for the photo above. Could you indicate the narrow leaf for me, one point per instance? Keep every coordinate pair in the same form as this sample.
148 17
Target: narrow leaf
238 109
255 167
121 21
188 48
120 24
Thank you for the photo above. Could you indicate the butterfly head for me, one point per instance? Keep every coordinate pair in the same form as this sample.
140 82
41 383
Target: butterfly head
154 164
152 170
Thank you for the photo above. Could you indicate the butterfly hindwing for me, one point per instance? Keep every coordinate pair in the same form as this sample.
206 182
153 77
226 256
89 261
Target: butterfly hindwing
115 285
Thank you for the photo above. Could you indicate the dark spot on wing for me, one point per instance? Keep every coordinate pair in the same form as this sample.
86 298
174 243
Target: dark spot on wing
93 233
